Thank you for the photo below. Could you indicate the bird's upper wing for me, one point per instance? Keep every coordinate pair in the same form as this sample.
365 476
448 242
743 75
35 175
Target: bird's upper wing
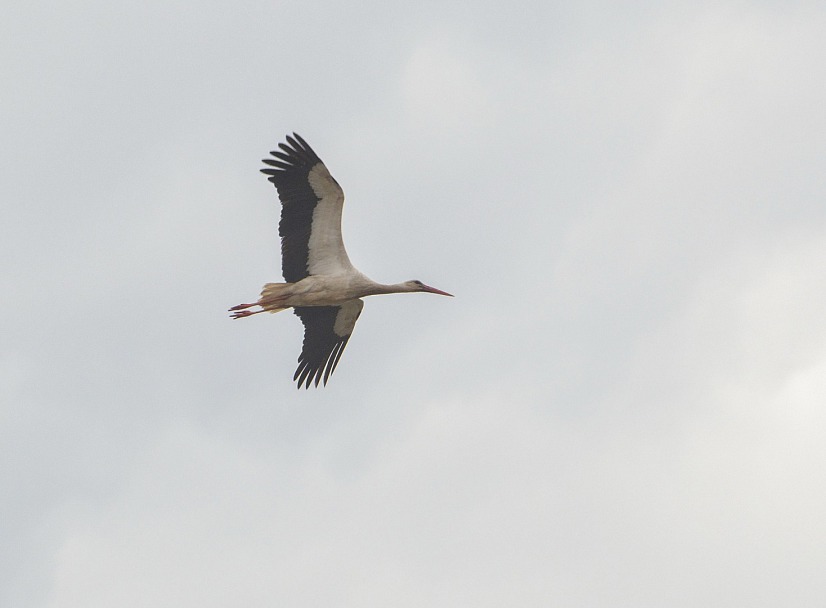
311 204
326 332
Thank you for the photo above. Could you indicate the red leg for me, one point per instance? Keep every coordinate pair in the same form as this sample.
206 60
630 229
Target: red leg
244 313
242 306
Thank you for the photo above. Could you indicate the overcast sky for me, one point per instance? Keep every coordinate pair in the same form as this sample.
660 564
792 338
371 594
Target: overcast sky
624 405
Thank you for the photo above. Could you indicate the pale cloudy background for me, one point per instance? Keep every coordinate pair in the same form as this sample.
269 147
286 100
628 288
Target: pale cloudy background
625 404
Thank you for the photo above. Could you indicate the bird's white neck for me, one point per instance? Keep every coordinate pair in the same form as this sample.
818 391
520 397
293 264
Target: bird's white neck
380 288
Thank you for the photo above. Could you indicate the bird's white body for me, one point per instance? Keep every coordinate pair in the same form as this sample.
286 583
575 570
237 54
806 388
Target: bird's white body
326 290
323 287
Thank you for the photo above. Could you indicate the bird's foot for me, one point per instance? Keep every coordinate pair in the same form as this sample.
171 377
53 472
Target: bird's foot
242 306
240 314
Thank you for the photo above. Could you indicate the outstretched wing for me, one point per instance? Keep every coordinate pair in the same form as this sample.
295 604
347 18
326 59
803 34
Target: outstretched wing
326 332
311 205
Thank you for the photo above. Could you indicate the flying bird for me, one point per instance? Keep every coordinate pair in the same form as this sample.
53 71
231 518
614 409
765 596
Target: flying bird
323 287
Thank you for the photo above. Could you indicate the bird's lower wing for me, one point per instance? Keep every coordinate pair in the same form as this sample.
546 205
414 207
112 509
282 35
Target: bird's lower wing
326 332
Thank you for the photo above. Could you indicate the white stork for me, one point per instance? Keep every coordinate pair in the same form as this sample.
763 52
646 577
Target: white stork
323 288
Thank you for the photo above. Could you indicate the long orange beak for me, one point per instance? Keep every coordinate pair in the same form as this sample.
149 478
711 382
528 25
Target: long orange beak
430 289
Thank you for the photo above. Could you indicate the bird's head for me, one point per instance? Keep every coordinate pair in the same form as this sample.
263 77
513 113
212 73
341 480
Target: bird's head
419 286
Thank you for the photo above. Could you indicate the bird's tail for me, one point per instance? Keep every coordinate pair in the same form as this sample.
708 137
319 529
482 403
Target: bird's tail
271 294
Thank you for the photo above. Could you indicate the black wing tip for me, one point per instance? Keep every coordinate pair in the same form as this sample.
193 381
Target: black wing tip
294 153
301 141
319 371
307 375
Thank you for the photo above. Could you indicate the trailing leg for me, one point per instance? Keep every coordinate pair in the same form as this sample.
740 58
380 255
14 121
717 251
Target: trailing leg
272 299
